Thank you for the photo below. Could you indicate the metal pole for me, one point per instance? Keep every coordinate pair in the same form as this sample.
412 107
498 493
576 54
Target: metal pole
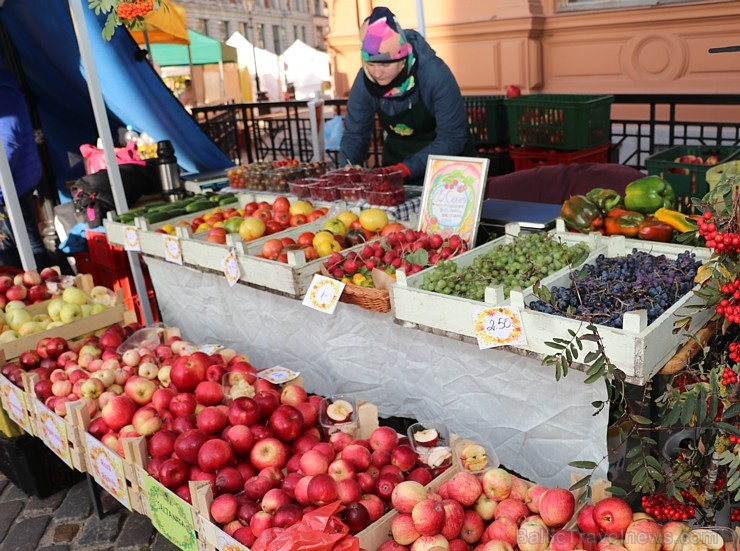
13 208
101 119
254 53
420 16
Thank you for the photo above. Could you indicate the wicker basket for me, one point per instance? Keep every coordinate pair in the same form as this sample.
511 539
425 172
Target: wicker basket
369 298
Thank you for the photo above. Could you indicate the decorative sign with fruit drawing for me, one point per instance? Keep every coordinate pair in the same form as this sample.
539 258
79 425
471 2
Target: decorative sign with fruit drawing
323 294
227 543
170 515
453 196
499 326
14 401
106 467
53 431
278 375
172 249
231 268
131 239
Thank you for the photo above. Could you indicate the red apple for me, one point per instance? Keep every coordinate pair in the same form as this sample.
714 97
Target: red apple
162 443
384 438
269 452
118 412
188 444
211 420
358 456
188 371
223 508
215 454
612 515
428 517
287 515
173 473
322 490
356 517
286 422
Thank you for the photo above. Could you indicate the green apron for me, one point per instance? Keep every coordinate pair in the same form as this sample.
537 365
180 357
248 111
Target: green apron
408 132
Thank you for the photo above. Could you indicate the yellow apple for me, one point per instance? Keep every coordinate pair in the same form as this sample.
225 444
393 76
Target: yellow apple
347 217
301 207
373 219
251 228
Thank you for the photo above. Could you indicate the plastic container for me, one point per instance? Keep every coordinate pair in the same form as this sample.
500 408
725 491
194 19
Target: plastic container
237 177
474 457
350 425
131 135
532 157
487 121
559 121
386 198
433 453
236 385
325 190
302 187
277 179
352 193
688 179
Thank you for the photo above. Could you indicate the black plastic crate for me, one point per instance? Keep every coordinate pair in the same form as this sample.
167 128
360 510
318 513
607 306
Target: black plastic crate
500 161
487 120
33 467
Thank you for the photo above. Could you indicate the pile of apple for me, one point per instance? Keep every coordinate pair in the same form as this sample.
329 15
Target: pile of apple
28 287
70 305
408 250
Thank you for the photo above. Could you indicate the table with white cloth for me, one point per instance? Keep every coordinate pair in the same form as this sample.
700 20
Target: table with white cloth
536 425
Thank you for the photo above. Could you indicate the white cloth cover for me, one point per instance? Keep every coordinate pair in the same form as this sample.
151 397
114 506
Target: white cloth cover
535 424
268 66
307 68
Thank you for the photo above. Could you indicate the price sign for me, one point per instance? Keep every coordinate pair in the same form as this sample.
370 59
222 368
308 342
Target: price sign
53 431
171 516
231 268
131 239
227 543
106 467
172 249
323 294
14 401
498 326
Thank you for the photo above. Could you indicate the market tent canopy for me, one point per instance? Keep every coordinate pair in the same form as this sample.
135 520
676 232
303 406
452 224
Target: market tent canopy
167 25
203 51
268 65
306 68
134 93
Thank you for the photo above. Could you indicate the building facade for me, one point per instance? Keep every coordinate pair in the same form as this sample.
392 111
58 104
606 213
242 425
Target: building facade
269 24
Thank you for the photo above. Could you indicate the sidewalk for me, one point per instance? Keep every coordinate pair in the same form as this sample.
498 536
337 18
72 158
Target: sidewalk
66 521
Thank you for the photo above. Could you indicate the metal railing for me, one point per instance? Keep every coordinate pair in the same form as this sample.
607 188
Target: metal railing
264 131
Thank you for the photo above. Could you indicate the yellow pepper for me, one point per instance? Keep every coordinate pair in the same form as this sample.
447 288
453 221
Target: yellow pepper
677 220
358 279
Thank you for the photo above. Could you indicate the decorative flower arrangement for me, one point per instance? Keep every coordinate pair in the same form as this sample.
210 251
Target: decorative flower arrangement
701 475
126 13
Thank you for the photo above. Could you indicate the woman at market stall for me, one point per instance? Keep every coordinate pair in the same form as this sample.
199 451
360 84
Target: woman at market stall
413 93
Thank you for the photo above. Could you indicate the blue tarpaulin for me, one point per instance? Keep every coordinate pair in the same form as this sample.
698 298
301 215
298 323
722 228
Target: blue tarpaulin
42 33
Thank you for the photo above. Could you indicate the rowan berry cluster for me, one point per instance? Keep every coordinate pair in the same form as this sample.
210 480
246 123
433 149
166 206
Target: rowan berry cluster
662 507
129 10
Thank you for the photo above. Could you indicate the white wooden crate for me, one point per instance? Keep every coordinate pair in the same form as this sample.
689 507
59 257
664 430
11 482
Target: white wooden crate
451 315
637 349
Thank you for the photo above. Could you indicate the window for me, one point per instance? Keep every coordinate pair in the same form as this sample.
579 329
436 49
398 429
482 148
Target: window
243 26
319 38
318 7
220 30
295 32
201 26
276 39
260 29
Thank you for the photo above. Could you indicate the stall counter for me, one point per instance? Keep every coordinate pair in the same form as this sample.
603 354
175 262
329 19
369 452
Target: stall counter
536 424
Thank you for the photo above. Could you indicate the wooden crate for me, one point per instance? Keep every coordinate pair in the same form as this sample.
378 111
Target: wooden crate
637 349
451 315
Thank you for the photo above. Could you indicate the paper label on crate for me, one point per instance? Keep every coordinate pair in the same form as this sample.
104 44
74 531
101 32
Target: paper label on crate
131 239
278 374
106 467
53 432
172 249
15 403
208 348
225 542
170 515
231 268
498 326
323 294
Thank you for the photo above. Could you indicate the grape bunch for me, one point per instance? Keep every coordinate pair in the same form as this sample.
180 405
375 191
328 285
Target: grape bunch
604 291
520 263
131 10
662 507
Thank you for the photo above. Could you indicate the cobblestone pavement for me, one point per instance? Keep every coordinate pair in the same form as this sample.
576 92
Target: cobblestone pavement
66 521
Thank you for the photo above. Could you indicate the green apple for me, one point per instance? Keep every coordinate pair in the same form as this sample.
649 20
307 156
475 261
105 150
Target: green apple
14 305
97 308
16 318
54 307
54 324
43 318
74 295
70 312
86 309
30 327
7 336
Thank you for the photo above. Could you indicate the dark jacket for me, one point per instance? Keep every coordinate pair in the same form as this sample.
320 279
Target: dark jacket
436 87
16 133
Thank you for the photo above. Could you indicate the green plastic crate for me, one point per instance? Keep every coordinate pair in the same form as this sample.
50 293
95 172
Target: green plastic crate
688 179
487 121
559 121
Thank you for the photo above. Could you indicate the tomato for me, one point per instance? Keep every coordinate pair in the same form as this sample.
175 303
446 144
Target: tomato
251 228
282 257
298 220
272 248
282 216
281 204
263 214
264 205
310 253
216 235
305 239
315 215
288 241
271 226
249 208
392 227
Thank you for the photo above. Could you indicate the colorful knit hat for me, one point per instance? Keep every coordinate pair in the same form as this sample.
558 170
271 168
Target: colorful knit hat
383 38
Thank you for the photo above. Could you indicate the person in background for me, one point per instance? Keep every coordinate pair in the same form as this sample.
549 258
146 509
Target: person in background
187 96
414 94
16 132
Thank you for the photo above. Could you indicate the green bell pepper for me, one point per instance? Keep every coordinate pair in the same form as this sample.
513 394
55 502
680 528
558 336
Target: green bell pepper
607 199
581 214
648 194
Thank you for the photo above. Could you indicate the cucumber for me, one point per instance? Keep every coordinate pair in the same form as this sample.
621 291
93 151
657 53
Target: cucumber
161 216
198 205
226 201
